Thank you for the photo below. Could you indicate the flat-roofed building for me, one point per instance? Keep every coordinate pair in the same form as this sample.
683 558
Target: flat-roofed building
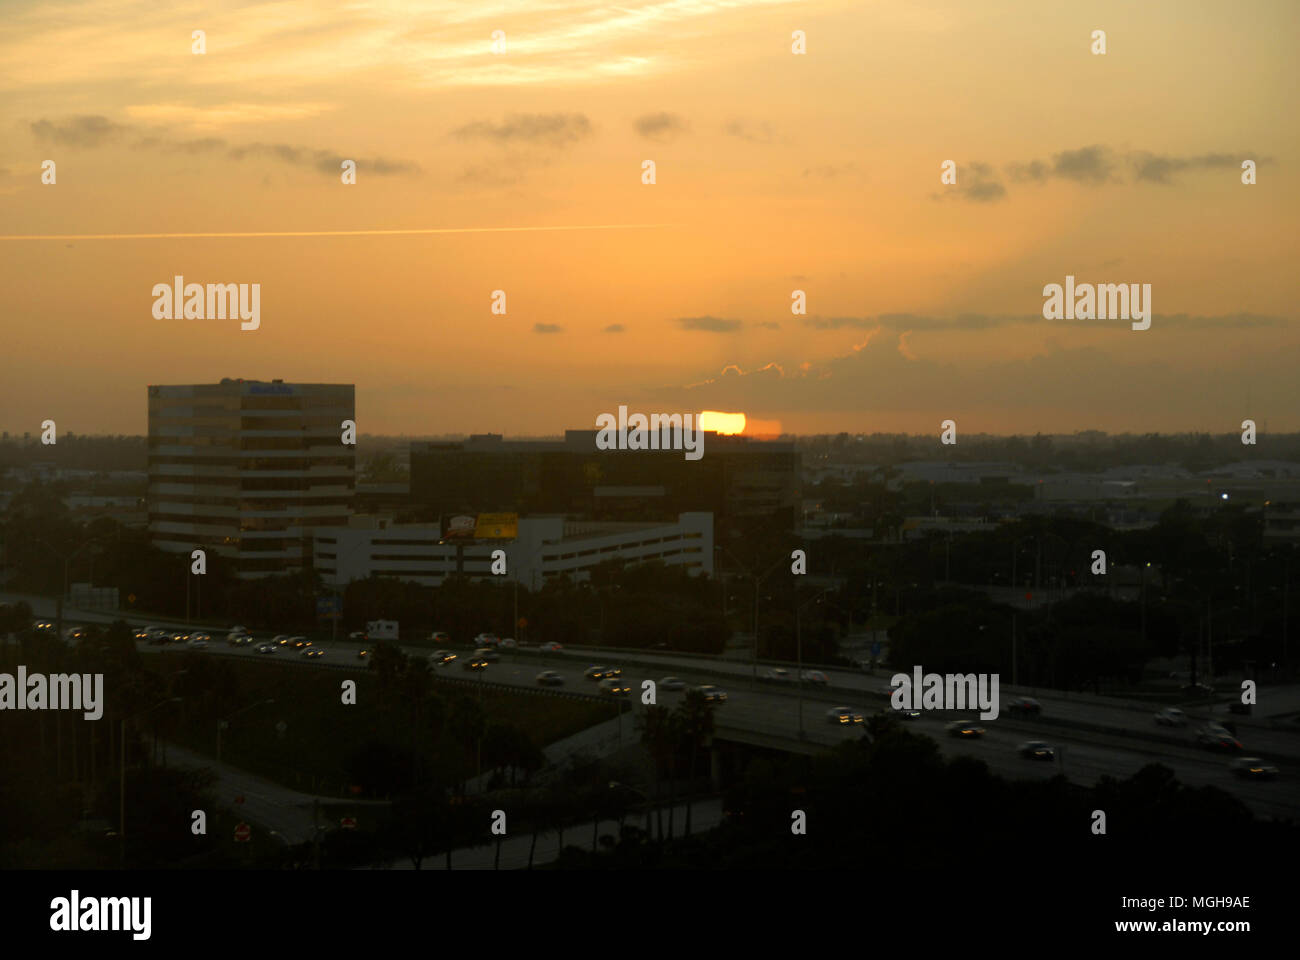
542 549
738 479
248 469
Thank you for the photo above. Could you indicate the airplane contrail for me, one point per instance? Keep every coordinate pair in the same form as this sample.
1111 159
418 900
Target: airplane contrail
323 233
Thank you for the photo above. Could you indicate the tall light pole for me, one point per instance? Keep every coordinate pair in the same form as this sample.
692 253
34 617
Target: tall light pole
798 644
758 582
224 722
121 740
67 562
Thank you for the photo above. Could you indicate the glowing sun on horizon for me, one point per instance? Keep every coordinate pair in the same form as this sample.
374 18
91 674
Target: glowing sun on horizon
716 422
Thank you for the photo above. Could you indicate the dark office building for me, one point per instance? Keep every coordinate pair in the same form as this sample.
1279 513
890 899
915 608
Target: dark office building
738 479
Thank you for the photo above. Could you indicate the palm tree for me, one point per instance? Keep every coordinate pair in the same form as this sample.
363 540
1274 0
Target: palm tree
695 720
656 726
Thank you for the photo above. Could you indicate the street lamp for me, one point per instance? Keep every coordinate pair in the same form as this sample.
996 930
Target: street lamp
67 562
121 739
798 643
758 580
224 722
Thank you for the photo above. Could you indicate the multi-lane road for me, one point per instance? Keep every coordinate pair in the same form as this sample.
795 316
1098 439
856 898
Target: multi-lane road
1093 736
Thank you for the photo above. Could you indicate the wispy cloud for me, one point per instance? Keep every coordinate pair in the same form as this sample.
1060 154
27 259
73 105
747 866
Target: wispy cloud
660 127
614 328
976 182
709 324
93 132
552 129
976 321
1097 165
1157 168
547 328
82 131
749 131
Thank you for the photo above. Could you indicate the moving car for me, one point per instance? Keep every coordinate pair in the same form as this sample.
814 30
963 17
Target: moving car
281 640
267 648
1253 768
777 675
815 677
844 715
1171 717
313 653
238 639
440 636
1024 707
906 714
475 663
159 636
966 729
299 643
197 640
43 626
712 694
359 636
551 647
550 678
74 633
141 633
486 640
672 683
363 653
602 673
509 644
614 687
441 658
1214 737
1036 750
488 654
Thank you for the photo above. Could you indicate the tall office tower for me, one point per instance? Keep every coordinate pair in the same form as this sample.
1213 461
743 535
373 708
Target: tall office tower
248 469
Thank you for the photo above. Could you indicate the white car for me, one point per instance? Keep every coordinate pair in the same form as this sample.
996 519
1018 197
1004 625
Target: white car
486 640
266 648
551 647
238 639
197 640
509 644
815 677
1171 717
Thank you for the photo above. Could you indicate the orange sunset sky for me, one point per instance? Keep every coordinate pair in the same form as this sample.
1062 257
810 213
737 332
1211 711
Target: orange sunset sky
775 172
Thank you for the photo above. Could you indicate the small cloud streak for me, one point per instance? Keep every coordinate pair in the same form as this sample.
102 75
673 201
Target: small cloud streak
660 127
551 129
709 324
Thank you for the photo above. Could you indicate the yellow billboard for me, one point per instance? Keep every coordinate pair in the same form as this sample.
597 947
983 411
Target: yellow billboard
497 526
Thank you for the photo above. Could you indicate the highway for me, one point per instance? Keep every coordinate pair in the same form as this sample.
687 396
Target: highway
1087 755
1098 737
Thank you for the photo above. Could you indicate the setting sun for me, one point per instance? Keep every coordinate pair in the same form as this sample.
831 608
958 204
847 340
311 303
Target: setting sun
722 422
